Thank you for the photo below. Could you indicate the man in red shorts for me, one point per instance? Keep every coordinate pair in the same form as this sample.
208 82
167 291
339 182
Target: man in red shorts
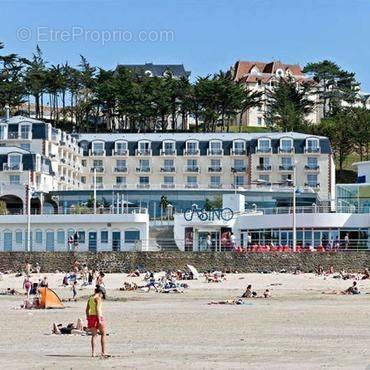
95 319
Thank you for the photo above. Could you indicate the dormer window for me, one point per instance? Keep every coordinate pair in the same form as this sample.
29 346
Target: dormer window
14 162
215 147
279 73
120 148
144 148
238 147
98 148
192 148
264 146
148 73
3 132
312 145
25 132
168 148
286 145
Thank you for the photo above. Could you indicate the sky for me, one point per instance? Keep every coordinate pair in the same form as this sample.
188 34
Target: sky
205 35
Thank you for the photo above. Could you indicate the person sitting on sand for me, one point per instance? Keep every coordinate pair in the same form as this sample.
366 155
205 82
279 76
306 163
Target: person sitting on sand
352 289
135 273
30 305
248 292
267 293
366 274
128 286
319 270
44 282
70 328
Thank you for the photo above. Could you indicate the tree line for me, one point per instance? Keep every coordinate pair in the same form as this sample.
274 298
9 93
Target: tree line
87 98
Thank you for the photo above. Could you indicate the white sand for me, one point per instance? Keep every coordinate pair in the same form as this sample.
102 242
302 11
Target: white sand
299 328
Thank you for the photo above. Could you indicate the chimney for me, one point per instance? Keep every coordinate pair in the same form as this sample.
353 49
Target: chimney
7 113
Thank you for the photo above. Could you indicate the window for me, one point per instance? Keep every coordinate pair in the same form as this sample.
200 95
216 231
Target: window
121 180
239 147
312 163
104 236
239 164
286 162
144 148
286 145
312 145
38 237
192 165
97 163
121 164
14 161
18 237
99 180
120 148
191 147
98 148
144 165
215 147
264 178
264 163
83 162
192 181
286 178
25 146
259 121
83 179
144 181
215 165
312 180
25 131
81 237
132 236
264 145
169 148
168 165
61 237
239 180
215 181
14 179
168 180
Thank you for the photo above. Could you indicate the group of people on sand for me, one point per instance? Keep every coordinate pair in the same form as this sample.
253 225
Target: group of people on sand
31 288
214 277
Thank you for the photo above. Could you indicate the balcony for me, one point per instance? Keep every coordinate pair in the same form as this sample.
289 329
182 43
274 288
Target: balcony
168 152
13 135
120 169
191 185
193 152
12 167
120 186
264 167
312 150
215 152
121 152
215 169
99 169
286 168
97 153
142 169
311 168
264 150
97 186
286 150
168 186
143 186
168 169
238 169
312 184
143 152
192 169
237 152
215 186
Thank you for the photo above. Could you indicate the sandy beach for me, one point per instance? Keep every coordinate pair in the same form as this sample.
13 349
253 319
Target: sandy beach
299 327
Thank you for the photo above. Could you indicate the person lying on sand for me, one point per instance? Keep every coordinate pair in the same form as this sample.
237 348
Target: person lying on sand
128 286
352 290
71 328
229 301
10 291
135 273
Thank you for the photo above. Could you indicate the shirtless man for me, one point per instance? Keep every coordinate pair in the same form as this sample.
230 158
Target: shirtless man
95 319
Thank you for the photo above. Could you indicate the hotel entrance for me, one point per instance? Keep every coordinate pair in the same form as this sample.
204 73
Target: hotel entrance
202 240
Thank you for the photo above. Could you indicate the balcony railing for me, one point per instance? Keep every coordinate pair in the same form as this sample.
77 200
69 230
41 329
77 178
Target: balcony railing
97 186
97 153
311 168
312 184
286 150
143 169
143 186
120 186
215 169
312 150
238 152
168 186
13 135
192 169
215 152
264 167
192 152
120 169
215 186
121 152
263 150
286 168
168 169
99 169
168 152
143 152
12 167
191 185
238 169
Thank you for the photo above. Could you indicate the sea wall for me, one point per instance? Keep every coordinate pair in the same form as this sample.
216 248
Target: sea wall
203 261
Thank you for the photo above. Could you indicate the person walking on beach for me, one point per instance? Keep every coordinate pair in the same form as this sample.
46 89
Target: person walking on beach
95 319
346 241
209 242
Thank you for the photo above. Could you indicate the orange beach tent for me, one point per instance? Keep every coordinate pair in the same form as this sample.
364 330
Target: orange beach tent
49 299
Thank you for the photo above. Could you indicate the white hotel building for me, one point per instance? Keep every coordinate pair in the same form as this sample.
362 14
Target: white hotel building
129 173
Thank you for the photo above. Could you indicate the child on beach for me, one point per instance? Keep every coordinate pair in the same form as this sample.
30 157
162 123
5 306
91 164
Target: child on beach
74 291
